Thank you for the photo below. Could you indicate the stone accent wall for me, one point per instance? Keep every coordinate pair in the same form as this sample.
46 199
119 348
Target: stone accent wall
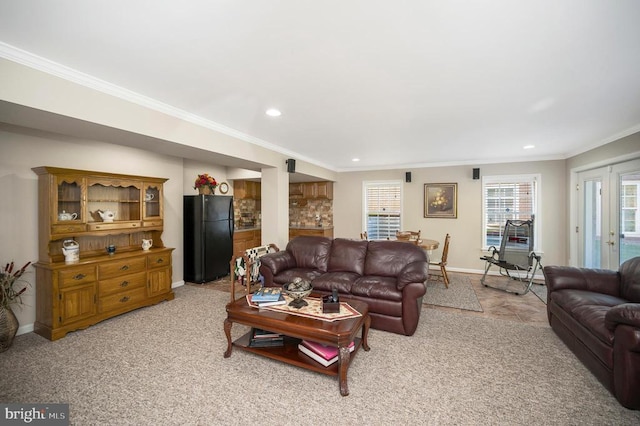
305 215
245 212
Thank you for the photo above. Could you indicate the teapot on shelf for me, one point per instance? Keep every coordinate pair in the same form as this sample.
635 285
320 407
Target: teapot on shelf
71 251
67 216
107 215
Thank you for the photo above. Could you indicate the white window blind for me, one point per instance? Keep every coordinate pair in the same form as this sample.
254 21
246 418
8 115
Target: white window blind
382 206
504 198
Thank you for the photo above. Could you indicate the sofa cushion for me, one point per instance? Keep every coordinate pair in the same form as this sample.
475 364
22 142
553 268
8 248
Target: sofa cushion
348 256
377 287
589 310
630 280
571 299
310 252
588 341
388 258
341 281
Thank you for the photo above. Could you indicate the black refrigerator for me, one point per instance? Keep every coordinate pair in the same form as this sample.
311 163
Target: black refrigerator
208 237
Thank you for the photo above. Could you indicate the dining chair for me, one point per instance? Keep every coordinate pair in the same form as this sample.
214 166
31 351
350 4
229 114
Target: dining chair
408 236
442 262
364 235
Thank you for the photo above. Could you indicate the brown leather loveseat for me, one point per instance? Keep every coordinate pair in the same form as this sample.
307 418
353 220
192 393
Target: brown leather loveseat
389 276
596 313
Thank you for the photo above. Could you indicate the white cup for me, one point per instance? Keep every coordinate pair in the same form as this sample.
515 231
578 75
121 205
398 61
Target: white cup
148 196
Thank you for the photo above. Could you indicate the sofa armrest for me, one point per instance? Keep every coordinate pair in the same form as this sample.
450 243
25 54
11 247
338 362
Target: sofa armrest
415 272
568 277
627 313
278 262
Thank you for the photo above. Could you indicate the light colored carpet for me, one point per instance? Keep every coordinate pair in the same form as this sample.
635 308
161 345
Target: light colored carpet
460 294
164 365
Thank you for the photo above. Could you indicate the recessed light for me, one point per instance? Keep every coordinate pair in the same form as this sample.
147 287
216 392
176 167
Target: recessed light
355 159
272 112
528 147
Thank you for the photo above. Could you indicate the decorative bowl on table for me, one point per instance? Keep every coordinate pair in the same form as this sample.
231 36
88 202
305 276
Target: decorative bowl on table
298 290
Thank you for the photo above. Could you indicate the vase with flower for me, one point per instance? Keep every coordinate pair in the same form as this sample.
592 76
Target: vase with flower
205 184
11 290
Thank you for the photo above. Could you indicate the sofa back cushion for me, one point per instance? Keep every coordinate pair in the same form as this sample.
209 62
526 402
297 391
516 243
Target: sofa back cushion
630 280
388 258
310 252
348 255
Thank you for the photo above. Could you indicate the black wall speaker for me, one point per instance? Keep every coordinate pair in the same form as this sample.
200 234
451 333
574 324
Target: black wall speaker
407 177
291 165
476 173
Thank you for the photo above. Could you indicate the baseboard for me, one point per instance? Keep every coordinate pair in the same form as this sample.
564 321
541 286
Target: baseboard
177 284
24 329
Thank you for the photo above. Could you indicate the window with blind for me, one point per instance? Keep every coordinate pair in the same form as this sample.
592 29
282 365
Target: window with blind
508 197
382 209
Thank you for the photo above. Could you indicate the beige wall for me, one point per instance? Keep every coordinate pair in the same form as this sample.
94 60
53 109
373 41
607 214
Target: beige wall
465 249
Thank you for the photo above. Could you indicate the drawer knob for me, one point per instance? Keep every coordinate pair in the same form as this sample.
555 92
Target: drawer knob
79 276
124 267
159 261
124 299
124 283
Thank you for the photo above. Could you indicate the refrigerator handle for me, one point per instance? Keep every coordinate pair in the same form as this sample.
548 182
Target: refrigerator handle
232 217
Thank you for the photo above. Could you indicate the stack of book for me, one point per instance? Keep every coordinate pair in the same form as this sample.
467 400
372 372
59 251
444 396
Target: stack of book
325 355
268 296
265 339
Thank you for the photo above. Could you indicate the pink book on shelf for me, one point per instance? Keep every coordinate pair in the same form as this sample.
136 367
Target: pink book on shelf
327 352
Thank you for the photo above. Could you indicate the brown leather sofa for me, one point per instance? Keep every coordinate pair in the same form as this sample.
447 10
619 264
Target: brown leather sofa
596 313
389 276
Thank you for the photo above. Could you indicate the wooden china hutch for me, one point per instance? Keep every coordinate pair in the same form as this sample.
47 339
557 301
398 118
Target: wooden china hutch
75 294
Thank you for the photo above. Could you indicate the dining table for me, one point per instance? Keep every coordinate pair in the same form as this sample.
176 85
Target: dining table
428 245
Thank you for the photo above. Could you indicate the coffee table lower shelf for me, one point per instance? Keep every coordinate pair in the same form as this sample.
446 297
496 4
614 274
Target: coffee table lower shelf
290 354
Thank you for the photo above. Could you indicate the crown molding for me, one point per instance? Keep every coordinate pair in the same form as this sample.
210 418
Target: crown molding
47 66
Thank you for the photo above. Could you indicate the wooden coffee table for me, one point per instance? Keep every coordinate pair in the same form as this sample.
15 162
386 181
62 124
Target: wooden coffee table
336 333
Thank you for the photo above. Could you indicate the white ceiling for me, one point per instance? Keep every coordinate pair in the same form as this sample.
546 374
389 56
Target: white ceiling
394 83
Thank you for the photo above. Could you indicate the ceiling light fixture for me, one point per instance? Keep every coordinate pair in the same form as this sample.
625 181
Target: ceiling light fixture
528 147
355 159
272 112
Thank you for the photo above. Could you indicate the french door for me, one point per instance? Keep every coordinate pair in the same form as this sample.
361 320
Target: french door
609 215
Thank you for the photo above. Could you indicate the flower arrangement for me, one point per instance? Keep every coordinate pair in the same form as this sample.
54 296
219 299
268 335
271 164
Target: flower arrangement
440 200
205 181
10 292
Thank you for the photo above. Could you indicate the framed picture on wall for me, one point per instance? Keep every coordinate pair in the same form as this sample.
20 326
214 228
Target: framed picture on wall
441 200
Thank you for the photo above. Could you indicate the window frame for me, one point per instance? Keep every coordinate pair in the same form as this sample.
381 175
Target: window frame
379 183
536 179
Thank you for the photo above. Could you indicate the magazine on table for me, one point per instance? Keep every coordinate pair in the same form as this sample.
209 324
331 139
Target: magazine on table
267 294
252 302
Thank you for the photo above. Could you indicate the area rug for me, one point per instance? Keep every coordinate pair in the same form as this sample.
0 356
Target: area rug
460 294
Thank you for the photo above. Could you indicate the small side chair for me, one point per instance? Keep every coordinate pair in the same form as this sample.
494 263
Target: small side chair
442 262
245 269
